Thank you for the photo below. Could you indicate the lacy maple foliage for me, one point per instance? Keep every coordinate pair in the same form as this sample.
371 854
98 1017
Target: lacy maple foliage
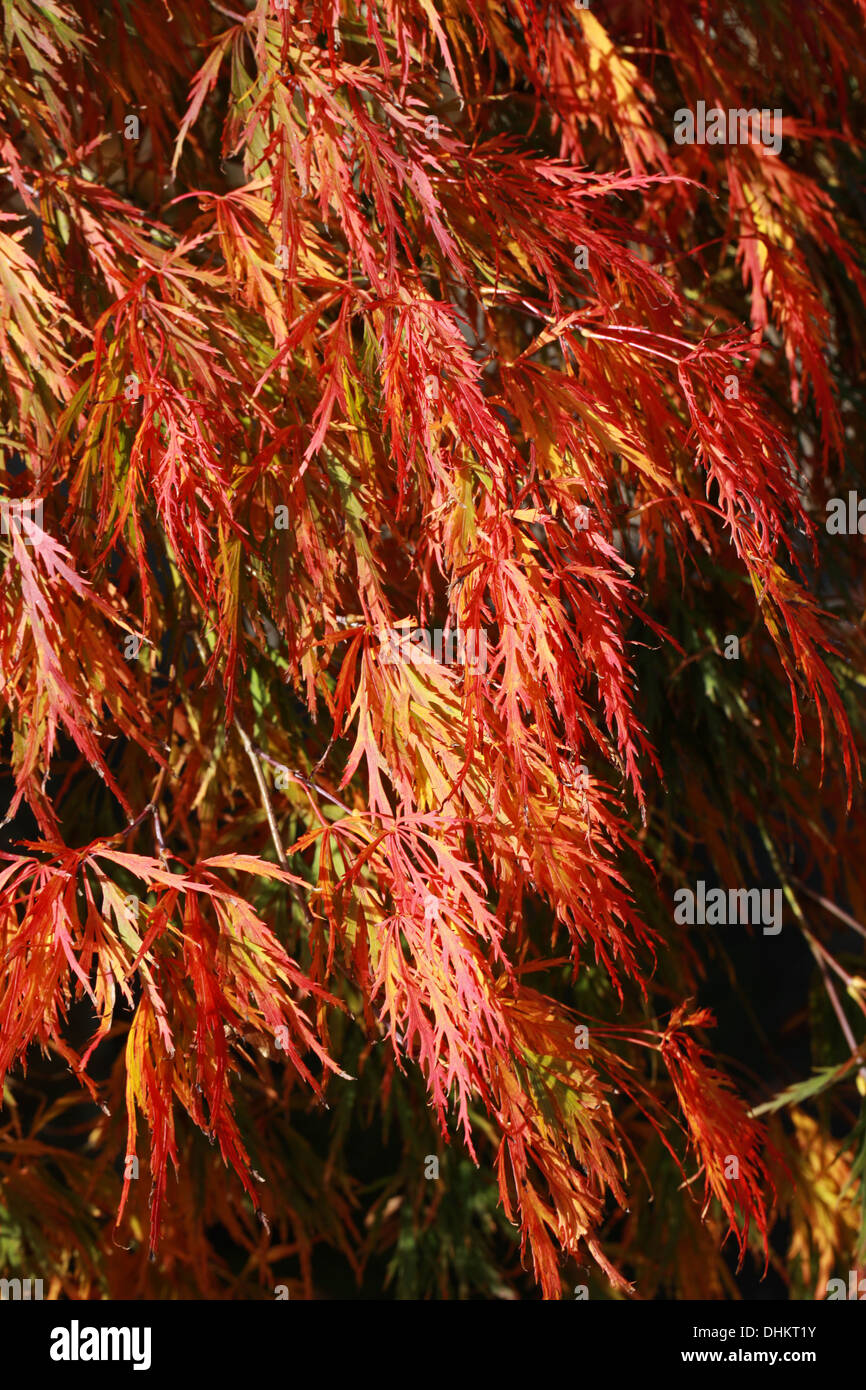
321 321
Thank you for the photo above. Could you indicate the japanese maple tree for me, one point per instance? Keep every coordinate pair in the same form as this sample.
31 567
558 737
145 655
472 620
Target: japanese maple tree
415 570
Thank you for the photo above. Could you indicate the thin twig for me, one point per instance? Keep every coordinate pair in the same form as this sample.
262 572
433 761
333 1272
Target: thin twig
832 962
264 793
134 824
230 14
157 833
253 756
828 906
304 781
837 1007
149 810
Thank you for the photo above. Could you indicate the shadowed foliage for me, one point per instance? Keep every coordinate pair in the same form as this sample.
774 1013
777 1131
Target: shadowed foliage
336 956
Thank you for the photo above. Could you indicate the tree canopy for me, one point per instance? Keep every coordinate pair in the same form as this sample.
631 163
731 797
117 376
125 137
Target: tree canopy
418 457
